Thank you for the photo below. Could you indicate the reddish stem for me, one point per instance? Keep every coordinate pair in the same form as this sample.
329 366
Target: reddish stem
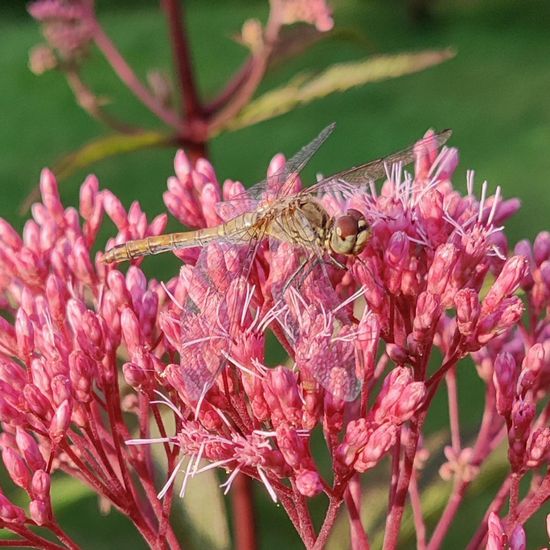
328 523
532 502
352 498
416 505
182 59
244 522
495 506
127 75
34 540
393 522
304 517
454 417
63 537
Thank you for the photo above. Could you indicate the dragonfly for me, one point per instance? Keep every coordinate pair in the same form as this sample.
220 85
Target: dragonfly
275 210
296 218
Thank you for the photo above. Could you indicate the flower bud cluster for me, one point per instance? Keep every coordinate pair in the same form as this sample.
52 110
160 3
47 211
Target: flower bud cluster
358 340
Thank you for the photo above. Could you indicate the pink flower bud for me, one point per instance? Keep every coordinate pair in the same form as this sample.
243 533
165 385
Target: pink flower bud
50 194
80 262
81 373
518 433
508 281
538 447
411 399
283 386
117 285
397 354
136 283
16 467
30 450
468 310
504 378
182 165
9 237
535 358
130 330
428 310
496 535
357 435
507 314
24 333
12 373
308 483
396 258
61 389
398 249
8 341
57 295
148 313
60 421
518 540
9 414
135 376
293 447
41 484
37 402
114 209
90 336
88 196
40 512
541 247
378 444
10 513
441 269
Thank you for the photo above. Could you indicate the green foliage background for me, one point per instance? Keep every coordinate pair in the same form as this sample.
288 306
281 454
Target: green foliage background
494 95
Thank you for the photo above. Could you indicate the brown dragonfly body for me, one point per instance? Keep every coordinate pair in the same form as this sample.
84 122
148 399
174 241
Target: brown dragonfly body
297 219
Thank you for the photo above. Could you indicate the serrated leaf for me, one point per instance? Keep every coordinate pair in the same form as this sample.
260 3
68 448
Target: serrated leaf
338 78
100 149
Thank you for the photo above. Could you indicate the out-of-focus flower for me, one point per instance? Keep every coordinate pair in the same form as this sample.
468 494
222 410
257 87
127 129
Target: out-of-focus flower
314 12
67 25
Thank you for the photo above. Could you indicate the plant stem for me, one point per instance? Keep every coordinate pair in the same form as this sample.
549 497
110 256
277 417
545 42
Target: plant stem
244 523
454 417
495 506
330 518
127 75
182 59
352 497
416 504
533 501
393 522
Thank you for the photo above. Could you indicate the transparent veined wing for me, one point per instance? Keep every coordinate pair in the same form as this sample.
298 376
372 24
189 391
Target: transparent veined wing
374 170
276 185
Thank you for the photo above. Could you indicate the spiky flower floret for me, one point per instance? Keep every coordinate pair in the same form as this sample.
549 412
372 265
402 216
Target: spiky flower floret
436 273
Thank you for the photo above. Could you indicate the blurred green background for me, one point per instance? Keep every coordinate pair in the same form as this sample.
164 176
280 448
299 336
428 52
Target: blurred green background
494 95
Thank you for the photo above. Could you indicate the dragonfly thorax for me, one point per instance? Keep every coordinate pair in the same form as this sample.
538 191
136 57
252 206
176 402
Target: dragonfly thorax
349 233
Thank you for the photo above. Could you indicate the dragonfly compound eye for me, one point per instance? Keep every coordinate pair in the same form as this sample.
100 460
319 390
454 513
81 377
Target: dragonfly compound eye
350 233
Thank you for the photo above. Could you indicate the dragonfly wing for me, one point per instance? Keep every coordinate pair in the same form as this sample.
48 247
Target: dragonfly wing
279 184
376 169
311 320
219 302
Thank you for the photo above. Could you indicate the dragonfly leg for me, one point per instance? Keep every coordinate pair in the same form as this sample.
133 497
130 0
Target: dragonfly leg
338 263
297 272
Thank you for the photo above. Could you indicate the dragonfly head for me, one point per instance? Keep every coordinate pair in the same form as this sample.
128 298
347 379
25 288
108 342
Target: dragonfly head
349 233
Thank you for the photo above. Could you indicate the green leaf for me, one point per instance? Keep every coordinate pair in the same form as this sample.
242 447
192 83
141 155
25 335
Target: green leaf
105 147
339 78
99 149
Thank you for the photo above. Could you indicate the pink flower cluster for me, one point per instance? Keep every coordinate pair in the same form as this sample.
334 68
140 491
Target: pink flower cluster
436 273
